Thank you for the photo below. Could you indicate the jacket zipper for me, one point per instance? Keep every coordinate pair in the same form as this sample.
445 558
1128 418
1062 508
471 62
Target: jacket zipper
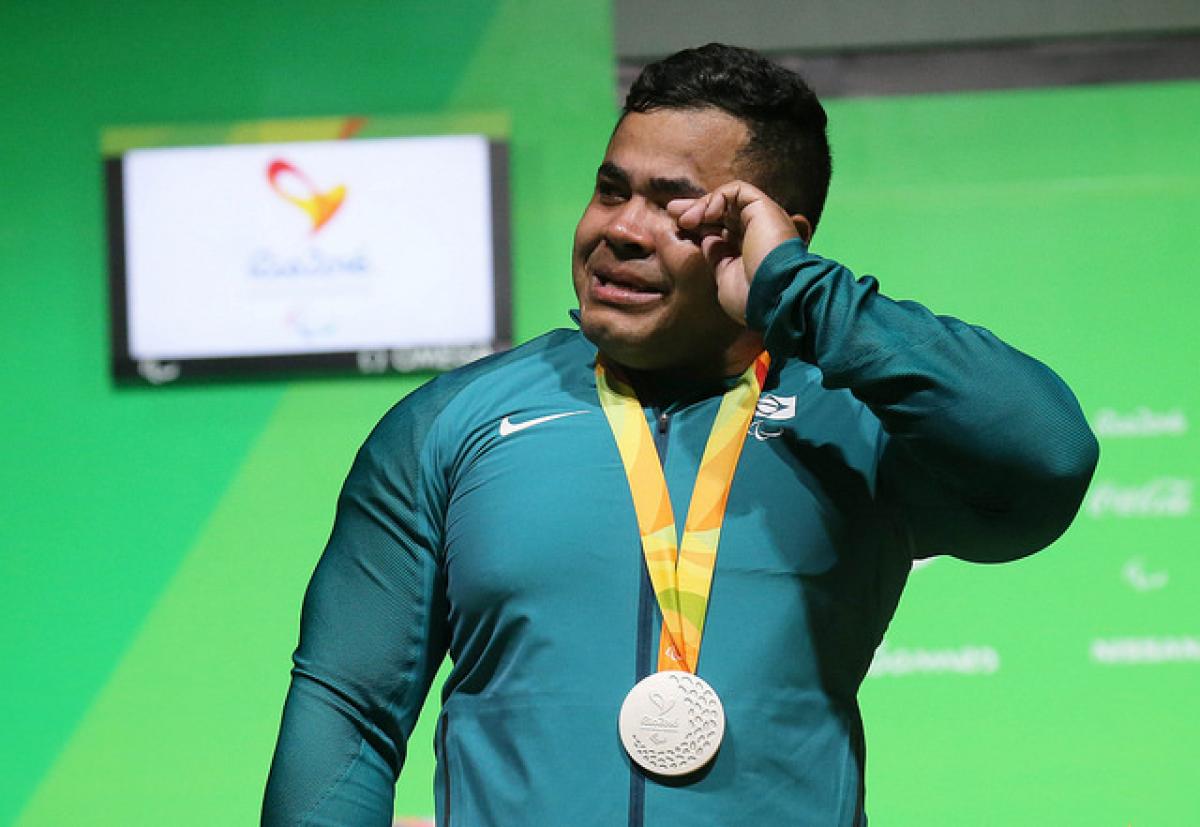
645 623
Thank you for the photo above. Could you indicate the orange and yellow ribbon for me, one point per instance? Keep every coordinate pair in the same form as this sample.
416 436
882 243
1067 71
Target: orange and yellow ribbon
681 571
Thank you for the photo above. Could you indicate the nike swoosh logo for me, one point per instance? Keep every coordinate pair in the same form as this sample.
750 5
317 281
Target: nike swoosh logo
508 427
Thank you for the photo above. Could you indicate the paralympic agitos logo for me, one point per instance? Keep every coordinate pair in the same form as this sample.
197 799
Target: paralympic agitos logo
294 186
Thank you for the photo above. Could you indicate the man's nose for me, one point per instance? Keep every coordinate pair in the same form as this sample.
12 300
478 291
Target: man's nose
629 231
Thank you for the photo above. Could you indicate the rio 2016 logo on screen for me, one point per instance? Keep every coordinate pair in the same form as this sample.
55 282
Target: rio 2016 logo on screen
310 251
320 206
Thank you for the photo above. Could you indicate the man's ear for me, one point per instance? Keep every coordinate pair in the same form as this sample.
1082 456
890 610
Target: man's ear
804 227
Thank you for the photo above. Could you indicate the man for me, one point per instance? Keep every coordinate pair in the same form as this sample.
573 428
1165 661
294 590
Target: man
496 512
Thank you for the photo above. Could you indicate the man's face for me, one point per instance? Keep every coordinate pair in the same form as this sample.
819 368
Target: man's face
647 297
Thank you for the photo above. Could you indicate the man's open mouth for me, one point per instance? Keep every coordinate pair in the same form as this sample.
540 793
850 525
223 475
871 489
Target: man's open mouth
618 289
625 284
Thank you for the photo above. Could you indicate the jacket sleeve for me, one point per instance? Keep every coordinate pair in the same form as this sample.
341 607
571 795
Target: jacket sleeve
373 631
986 454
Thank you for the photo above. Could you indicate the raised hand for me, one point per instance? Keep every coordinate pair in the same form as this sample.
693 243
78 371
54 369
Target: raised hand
738 225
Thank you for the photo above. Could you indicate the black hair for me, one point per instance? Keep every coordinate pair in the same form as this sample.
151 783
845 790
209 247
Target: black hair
788 149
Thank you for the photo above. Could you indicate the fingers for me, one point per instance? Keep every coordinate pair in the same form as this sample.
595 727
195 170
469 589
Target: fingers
721 207
715 248
693 213
736 220
688 212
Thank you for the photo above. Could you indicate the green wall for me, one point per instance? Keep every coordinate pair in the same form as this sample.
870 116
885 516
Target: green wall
155 543
1065 220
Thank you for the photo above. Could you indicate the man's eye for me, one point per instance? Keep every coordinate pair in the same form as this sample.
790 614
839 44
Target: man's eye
608 192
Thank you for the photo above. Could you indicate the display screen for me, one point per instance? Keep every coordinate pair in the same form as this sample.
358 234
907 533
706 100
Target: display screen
366 255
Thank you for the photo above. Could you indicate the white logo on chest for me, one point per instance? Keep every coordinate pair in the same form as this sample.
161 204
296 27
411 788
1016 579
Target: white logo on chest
775 407
771 408
508 427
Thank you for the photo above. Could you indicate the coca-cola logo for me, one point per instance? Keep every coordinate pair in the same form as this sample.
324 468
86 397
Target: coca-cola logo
1162 497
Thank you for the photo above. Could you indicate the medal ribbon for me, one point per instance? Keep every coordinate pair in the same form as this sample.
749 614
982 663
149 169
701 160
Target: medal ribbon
680 571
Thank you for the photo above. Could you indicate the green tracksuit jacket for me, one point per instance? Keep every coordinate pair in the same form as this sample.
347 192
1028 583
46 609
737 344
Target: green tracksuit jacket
480 520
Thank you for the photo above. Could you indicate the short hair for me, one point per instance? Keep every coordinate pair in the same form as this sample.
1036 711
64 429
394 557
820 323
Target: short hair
788 149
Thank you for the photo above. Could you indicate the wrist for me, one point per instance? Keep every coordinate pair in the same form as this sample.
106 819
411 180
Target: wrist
769 280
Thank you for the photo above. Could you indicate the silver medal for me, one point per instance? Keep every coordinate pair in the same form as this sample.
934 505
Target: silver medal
672 723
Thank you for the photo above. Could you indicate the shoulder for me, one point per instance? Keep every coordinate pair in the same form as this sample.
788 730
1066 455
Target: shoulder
487 384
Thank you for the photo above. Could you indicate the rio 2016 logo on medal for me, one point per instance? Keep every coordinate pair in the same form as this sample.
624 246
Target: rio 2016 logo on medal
671 723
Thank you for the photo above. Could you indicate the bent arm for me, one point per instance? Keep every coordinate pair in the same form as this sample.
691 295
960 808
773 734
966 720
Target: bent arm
372 634
987 454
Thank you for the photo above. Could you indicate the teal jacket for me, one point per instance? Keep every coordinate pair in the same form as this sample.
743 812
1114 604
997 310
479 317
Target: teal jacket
480 521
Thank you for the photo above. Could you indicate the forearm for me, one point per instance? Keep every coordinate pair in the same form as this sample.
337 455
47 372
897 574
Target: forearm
369 647
331 766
